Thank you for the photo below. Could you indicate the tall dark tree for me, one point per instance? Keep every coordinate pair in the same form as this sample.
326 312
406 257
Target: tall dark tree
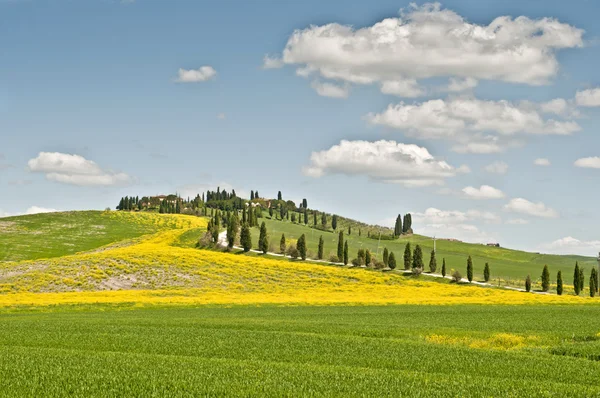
432 262
349 230
256 195
392 261
576 282
418 258
470 269
545 279
281 212
367 257
407 256
444 267
271 212
398 226
251 195
301 246
346 253
320 249
314 218
385 256
486 272
593 278
334 222
232 230
263 240
581 279
361 256
279 195
294 217
340 248
304 204
324 220
305 216
246 237
282 244
559 283
528 284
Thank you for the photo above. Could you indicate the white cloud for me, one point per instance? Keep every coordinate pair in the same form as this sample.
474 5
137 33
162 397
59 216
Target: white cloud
588 98
570 245
559 106
483 192
517 221
37 210
429 41
386 161
496 168
402 88
201 74
437 216
221 116
458 85
330 90
591 162
74 169
270 62
542 162
523 206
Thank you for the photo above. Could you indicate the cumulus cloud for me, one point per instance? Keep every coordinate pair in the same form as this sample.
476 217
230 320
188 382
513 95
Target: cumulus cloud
590 163
570 245
496 168
437 216
559 106
201 74
429 41
523 206
402 88
221 116
479 126
458 85
483 192
517 221
386 161
588 98
330 89
74 170
541 162
270 62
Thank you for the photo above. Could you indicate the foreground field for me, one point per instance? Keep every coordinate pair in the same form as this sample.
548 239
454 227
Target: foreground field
428 351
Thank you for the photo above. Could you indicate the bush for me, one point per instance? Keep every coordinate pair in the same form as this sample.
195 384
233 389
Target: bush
456 276
356 262
292 251
334 259
417 271
379 264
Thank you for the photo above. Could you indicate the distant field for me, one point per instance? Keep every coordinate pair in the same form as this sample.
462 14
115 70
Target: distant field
58 234
504 263
422 351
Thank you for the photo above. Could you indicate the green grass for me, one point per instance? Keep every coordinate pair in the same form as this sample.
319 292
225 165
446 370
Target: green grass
297 351
58 234
504 263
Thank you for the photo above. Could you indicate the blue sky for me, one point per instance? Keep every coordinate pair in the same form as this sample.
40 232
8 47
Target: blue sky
91 109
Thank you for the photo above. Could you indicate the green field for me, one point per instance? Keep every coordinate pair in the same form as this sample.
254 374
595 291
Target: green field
301 351
506 264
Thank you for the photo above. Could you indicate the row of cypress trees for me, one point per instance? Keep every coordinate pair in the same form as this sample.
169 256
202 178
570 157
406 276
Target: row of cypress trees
578 281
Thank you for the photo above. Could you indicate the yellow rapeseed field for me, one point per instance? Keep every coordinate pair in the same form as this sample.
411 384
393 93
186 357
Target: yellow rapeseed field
150 270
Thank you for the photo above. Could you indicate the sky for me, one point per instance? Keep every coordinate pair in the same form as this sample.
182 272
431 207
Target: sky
478 117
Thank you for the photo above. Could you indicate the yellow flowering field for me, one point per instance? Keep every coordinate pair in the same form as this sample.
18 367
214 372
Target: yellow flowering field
150 270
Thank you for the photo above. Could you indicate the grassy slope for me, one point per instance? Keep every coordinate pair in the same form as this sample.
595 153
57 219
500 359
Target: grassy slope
58 234
301 351
504 263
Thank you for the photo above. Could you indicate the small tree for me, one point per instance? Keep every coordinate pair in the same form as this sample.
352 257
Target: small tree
340 248
320 250
246 238
418 258
282 244
528 283
361 256
392 261
486 272
456 276
559 283
470 269
301 246
432 262
444 267
334 222
545 279
346 253
407 256
367 257
593 282
263 241
385 256
576 283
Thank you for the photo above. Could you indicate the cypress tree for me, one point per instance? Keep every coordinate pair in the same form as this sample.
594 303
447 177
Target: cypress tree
486 272
232 229
593 282
528 284
349 229
293 217
398 226
581 279
443 267
576 283
314 218
263 241
282 244
545 279
304 203
392 261
346 253
256 195
470 269
418 258
246 237
432 262
385 256
559 283
340 248
320 250
305 216
361 256
407 256
324 220
279 195
334 222
367 257
302 246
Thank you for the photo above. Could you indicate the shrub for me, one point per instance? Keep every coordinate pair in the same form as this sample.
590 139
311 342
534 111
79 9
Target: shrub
356 262
456 276
528 284
334 259
361 256
392 260
282 244
367 257
417 271
292 251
